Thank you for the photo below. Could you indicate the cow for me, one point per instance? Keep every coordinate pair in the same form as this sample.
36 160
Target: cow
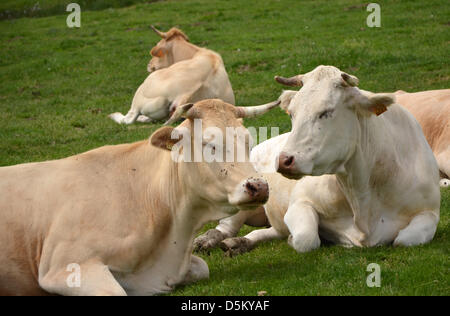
432 111
121 219
365 174
180 72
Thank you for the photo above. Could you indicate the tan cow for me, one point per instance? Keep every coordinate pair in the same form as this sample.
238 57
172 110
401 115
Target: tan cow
432 111
121 219
180 72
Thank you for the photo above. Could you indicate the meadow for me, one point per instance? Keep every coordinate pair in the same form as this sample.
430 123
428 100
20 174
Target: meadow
58 85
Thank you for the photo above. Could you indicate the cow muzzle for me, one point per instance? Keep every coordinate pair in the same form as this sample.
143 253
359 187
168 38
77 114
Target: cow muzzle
287 167
251 192
150 68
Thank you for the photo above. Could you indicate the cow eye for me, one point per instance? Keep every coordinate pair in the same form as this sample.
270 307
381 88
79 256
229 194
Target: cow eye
326 114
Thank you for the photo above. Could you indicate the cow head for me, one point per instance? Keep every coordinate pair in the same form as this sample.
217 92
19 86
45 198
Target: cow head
325 121
215 130
163 54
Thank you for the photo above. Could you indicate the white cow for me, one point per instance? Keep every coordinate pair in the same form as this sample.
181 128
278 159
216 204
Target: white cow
121 219
180 72
375 180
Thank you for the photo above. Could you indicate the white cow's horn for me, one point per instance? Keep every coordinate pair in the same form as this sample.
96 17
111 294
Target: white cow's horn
295 81
162 34
252 111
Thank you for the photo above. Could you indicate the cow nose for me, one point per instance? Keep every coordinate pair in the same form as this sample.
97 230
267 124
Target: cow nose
257 190
285 163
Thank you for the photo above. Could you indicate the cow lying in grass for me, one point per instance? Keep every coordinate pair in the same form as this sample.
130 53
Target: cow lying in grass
125 215
432 111
375 180
180 72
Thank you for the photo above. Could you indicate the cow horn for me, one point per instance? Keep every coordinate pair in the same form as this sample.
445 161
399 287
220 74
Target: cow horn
295 81
162 34
350 80
179 112
252 111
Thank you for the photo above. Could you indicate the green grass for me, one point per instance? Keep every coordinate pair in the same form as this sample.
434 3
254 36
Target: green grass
59 84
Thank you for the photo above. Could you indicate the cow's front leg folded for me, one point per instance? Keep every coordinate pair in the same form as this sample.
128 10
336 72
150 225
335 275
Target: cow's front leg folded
303 223
91 278
198 270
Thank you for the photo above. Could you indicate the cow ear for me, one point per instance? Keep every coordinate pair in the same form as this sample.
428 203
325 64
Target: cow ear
162 138
377 103
286 98
157 52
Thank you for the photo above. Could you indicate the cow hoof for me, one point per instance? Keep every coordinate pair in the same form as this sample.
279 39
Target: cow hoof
444 183
236 246
116 117
407 239
304 243
208 240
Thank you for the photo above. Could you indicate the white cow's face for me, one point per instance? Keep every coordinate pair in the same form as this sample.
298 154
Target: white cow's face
325 121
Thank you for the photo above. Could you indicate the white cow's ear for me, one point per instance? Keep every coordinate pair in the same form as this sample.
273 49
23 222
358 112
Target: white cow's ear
162 138
286 98
377 103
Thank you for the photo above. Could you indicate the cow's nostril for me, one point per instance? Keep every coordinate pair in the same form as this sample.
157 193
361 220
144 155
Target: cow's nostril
251 188
288 161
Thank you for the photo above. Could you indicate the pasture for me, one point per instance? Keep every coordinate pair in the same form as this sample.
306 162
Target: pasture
58 85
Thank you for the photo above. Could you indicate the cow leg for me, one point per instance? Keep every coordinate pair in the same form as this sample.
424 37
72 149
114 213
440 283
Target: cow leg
95 280
419 231
228 227
198 270
127 119
302 221
239 245
156 109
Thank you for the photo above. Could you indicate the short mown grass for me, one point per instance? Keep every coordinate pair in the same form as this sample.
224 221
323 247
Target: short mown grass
59 84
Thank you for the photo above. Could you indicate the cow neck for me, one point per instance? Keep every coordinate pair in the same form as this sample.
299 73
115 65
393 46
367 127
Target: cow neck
360 169
183 50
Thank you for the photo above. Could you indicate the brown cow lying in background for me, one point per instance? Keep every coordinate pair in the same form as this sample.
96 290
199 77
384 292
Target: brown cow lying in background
180 73
432 110
125 215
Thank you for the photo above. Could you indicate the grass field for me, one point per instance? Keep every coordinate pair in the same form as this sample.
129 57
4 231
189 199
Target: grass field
59 84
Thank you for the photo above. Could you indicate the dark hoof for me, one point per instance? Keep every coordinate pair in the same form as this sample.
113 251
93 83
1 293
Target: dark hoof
236 246
208 240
